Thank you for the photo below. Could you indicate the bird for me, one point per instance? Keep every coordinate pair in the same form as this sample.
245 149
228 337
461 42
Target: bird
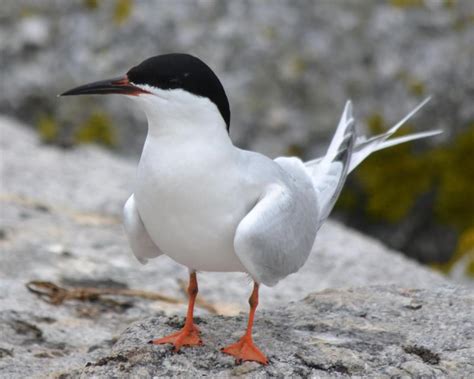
212 206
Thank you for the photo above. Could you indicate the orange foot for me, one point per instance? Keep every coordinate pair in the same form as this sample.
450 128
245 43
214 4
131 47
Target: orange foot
245 350
188 336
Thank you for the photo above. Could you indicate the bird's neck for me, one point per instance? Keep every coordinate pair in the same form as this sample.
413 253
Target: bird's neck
195 120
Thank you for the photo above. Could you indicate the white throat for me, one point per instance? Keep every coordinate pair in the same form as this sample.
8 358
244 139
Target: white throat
180 113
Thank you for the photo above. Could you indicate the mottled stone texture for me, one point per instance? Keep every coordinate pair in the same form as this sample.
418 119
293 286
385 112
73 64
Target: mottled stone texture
371 331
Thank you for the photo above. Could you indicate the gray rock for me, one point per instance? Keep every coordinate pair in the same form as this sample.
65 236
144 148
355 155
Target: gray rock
370 332
60 222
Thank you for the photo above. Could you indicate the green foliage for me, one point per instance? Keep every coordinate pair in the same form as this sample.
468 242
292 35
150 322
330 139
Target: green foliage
98 129
392 180
48 129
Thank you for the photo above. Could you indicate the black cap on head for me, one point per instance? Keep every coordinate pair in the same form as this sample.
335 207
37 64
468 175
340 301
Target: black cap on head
172 71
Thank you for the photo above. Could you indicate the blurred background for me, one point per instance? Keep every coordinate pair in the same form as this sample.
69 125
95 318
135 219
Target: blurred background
288 68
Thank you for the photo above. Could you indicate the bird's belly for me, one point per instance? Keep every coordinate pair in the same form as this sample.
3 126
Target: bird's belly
193 223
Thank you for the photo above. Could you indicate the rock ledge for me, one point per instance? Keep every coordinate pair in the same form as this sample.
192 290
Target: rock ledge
381 331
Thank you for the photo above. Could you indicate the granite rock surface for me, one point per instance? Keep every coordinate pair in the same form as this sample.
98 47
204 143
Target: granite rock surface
381 332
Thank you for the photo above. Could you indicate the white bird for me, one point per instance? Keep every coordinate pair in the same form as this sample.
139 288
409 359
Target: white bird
211 206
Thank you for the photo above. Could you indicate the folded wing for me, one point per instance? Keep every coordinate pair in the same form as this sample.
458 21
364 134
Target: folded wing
142 246
275 238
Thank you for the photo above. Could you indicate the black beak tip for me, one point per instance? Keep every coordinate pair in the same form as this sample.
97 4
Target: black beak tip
119 85
66 93
70 92
75 91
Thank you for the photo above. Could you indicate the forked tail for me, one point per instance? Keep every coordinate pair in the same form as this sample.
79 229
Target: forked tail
346 151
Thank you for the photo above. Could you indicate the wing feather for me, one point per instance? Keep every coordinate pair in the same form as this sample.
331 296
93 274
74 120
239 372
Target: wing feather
275 238
347 151
329 173
142 246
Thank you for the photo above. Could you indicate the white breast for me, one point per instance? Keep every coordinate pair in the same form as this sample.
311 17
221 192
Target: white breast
191 199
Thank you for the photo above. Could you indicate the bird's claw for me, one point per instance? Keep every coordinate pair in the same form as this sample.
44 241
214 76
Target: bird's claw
188 336
245 350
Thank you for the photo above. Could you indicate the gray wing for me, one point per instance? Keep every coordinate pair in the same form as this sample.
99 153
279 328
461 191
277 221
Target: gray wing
142 246
275 238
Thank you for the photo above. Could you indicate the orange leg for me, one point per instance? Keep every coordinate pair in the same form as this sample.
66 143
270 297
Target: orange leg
245 349
189 335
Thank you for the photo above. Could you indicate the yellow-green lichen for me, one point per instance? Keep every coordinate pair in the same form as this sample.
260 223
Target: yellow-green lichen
91 4
455 177
122 10
294 150
393 179
375 123
387 170
450 169
414 85
407 3
348 200
298 65
449 4
48 129
27 11
464 253
97 128
466 250
269 32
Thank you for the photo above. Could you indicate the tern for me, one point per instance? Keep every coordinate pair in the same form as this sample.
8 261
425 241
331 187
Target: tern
212 206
